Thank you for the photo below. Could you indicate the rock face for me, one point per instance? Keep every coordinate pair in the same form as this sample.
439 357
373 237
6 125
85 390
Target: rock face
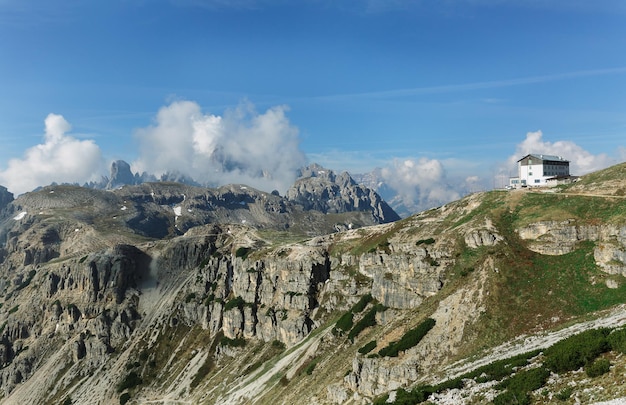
557 238
322 190
5 197
120 175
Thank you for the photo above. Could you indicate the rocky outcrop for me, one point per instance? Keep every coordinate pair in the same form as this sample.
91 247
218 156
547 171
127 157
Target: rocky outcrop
268 299
5 197
557 238
374 376
322 190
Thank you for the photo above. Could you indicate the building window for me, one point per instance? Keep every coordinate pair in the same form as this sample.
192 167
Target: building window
537 180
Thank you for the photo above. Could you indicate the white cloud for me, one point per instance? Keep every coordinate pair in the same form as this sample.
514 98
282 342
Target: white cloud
419 183
581 160
242 146
61 158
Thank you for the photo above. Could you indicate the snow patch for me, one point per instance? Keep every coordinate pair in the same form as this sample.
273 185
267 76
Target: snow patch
124 208
19 216
178 211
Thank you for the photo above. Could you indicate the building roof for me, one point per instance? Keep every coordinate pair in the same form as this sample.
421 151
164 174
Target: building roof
544 157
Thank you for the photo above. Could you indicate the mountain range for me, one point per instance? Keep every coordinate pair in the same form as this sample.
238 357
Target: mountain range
164 292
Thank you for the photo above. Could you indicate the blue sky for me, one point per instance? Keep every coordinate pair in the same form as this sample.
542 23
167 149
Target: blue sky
457 85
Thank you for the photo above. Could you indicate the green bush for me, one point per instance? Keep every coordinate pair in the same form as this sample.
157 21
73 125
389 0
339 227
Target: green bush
277 344
369 319
26 282
360 306
234 303
345 322
500 368
409 339
526 380
428 241
125 397
576 351
564 394
368 347
598 367
310 367
617 341
237 342
415 396
131 380
243 252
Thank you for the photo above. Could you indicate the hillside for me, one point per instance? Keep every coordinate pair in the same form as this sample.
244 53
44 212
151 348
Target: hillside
104 305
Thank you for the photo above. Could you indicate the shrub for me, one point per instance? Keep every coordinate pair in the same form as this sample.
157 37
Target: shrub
369 319
428 241
564 394
125 397
131 380
234 303
617 340
310 367
277 344
527 380
415 396
576 351
243 252
598 367
190 297
237 342
500 368
345 322
360 306
409 339
368 347
26 282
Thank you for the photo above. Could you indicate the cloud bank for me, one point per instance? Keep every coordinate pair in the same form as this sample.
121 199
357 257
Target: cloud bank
60 158
418 183
242 146
581 161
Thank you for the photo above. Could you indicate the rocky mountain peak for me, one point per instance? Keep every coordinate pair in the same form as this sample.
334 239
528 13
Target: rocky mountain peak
321 189
5 197
120 175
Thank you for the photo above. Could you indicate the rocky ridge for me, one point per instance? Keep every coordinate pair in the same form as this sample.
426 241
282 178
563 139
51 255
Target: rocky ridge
234 313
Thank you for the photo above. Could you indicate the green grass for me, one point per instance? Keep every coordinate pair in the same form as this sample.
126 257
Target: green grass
531 291
555 207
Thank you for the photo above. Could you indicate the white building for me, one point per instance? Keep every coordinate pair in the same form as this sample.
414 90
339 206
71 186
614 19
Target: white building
539 170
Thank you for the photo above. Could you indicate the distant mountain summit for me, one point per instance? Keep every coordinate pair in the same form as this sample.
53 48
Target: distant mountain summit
121 175
323 190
